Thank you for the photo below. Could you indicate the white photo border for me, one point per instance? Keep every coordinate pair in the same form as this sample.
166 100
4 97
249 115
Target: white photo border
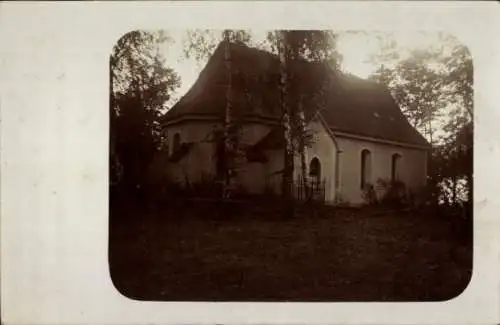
54 154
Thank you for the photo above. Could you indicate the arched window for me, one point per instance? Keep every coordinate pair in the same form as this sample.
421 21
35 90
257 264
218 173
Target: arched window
177 142
366 167
315 169
395 167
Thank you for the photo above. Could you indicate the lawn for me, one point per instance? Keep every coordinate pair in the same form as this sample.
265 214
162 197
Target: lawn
249 253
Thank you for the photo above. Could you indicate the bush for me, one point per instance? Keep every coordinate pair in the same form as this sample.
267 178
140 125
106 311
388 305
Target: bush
420 197
369 194
394 193
269 191
340 201
206 187
239 192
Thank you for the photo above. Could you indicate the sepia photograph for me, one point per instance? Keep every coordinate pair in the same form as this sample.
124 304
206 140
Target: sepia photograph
290 165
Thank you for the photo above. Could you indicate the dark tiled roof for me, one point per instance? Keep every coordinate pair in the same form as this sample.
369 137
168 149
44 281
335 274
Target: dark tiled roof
347 103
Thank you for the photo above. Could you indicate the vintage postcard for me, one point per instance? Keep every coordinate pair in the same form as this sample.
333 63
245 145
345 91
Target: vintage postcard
249 163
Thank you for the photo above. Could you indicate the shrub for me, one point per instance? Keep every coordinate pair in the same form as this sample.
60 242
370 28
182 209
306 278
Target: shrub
419 197
269 191
394 193
206 187
340 201
239 192
171 189
267 196
369 194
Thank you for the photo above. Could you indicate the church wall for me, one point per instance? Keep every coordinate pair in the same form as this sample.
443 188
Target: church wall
201 161
412 166
257 177
323 148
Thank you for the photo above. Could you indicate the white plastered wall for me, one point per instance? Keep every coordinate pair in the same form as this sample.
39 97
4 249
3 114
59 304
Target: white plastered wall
412 168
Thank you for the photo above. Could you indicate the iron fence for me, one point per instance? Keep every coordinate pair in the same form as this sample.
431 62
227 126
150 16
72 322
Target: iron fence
311 190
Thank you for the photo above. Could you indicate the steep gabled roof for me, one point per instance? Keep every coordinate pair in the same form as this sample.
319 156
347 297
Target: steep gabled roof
347 103
367 109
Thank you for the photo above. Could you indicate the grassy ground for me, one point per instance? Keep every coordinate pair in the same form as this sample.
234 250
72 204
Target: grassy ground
249 253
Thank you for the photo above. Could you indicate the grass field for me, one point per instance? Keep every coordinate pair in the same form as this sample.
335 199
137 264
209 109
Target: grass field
249 253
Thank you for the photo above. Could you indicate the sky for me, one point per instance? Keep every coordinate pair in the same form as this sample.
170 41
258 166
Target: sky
356 49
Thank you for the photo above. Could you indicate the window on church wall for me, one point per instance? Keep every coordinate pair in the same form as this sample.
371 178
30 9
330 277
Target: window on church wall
365 168
395 167
315 170
177 142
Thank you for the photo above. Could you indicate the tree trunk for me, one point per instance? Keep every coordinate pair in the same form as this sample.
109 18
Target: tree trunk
287 179
302 145
228 120
454 182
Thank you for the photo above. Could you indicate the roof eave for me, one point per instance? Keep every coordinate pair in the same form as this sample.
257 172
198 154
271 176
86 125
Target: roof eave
380 140
216 118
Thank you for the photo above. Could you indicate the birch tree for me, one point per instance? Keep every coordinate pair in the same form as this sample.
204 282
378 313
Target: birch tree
229 129
200 44
304 45
287 178
312 46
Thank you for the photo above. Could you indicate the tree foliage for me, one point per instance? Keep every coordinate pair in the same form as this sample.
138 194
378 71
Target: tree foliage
434 88
201 43
459 78
418 89
310 45
294 46
140 84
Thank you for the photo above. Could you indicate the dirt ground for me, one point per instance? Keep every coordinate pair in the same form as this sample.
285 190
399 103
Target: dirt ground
195 252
